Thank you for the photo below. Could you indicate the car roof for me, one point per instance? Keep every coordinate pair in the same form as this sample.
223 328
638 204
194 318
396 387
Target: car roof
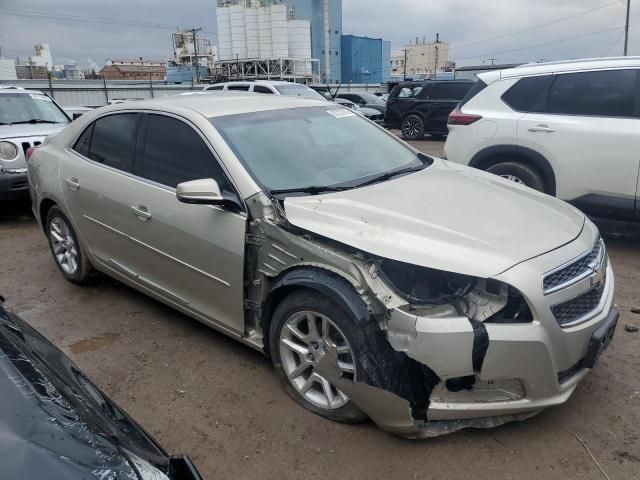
532 69
217 104
259 82
12 89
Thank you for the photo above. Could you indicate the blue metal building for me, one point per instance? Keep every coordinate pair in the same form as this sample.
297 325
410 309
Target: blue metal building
313 10
365 60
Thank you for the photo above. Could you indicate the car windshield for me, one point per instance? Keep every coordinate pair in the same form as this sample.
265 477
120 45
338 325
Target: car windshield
314 148
296 90
20 107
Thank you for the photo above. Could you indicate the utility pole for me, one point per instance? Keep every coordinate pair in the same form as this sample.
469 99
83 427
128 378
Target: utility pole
404 75
195 51
626 29
493 61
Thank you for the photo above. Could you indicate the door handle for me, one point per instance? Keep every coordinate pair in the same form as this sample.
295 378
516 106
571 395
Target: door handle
141 212
542 128
72 183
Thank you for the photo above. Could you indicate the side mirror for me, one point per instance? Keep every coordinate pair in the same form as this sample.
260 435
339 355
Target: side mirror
203 192
76 115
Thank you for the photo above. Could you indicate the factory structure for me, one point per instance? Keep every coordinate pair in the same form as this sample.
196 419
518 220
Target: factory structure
194 57
421 59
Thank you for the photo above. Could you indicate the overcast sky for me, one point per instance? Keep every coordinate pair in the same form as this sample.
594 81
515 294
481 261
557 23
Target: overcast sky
465 24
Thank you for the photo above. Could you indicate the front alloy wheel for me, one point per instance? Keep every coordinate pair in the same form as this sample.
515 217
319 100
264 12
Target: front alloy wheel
304 340
412 127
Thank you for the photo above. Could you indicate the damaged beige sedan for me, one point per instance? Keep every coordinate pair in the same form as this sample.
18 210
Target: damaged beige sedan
382 283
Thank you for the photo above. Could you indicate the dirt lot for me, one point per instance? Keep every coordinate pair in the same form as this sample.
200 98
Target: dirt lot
203 394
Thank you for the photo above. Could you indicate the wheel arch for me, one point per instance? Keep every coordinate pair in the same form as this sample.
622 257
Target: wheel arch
322 281
43 209
493 155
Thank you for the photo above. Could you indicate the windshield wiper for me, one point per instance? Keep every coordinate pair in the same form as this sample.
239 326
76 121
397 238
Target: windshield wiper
33 120
313 190
390 175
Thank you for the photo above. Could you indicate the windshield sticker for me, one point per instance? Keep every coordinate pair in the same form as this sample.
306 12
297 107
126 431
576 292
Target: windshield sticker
39 96
341 113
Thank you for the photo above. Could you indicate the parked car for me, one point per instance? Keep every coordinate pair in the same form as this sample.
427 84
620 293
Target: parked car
370 113
306 232
56 423
26 118
417 108
289 89
365 100
569 129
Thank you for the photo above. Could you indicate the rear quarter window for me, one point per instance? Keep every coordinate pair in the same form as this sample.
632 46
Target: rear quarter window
475 90
528 94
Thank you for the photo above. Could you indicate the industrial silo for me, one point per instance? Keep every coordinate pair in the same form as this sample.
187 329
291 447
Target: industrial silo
223 17
264 29
279 37
299 34
238 32
253 34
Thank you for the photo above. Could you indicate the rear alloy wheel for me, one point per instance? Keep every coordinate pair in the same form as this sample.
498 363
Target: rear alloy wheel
303 329
67 251
412 127
519 173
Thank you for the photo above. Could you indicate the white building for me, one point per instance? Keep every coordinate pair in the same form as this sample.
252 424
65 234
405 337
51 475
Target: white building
8 69
42 58
422 58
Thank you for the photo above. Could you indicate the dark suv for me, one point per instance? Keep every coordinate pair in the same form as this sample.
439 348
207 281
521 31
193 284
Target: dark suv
417 108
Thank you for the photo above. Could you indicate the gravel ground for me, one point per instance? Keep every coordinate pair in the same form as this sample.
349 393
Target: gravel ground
205 395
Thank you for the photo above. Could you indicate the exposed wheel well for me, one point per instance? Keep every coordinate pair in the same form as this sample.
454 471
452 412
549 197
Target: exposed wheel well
498 154
45 206
322 282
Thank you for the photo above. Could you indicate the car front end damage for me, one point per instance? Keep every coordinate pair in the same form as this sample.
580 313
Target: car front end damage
457 351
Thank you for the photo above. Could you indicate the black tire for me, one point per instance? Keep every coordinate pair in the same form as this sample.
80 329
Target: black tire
412 127
303 301
83 271
527 175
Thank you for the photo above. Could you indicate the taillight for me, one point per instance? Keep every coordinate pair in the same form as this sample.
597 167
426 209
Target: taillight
458 118
29 152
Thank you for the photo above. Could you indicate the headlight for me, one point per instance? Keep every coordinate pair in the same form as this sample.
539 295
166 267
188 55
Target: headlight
8 151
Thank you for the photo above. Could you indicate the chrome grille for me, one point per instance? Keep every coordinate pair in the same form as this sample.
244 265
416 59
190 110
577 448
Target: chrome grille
575 271
572 311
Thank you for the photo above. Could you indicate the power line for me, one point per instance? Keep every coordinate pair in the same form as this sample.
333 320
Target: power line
78 18
614 44
543 44
553 22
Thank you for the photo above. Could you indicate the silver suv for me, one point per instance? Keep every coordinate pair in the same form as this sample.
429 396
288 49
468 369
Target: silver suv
26 118
380 281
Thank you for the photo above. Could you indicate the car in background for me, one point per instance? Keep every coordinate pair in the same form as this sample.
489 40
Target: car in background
289 89
56 423
76 112
423 107
370 113
27 117
381 282
569 129
365 100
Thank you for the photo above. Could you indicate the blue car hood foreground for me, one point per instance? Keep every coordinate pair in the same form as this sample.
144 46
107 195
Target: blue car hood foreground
55 423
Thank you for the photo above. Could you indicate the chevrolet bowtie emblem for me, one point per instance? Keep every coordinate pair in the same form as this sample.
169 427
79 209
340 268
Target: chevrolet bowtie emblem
598 274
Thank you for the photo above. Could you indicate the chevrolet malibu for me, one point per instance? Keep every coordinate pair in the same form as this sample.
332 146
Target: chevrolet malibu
381 282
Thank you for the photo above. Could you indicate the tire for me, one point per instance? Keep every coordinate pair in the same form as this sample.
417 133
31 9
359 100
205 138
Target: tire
68 253
294 310
519 173
412 127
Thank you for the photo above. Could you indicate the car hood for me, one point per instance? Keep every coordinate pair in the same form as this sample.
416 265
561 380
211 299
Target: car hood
25 130
54 423
448 217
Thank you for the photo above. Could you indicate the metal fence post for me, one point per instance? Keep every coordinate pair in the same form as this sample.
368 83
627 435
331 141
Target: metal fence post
151 85
50 86
106 93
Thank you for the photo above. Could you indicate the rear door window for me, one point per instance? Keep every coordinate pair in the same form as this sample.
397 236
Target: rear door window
174 153
528 94
217 87
609 93
449 91
114 139
262 89
243 88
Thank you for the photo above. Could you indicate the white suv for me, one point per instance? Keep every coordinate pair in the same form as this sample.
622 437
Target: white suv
570 129
273 87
